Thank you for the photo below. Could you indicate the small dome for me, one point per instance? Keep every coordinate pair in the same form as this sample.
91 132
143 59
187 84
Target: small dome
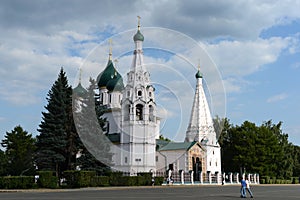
106 75
115 84
198 74
79 90
138 36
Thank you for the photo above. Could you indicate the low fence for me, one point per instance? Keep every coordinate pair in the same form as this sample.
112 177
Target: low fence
181 177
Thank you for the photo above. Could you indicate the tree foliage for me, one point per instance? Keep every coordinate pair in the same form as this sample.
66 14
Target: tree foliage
56 144
262 149
95 149
19 154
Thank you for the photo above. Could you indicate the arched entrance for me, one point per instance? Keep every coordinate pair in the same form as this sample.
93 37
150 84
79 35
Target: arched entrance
197 168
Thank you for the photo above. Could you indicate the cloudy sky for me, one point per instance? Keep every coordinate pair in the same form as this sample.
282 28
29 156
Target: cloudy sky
251 47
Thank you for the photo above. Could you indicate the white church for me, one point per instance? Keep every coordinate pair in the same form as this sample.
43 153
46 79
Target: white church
133 125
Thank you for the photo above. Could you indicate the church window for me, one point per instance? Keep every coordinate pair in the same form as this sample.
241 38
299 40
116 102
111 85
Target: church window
139 112
139 93
127 113
125 160
156 158
109 98
213 152
150 94
128 93
101 98
209 163
216 163
151 115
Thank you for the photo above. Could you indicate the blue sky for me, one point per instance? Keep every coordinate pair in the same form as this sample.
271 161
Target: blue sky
255 46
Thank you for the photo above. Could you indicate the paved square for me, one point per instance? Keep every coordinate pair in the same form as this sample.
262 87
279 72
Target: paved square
265 192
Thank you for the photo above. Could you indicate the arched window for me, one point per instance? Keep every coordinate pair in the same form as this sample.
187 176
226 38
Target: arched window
139 112
151 111
139 93
127 113
128 93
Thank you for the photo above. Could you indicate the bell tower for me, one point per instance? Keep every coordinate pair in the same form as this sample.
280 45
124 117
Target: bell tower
140 126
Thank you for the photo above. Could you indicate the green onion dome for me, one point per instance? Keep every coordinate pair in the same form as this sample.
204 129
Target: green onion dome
138 36
79 90
198 74
106 79
115 84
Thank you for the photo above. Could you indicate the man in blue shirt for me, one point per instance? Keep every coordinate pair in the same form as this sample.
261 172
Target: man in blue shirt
243 188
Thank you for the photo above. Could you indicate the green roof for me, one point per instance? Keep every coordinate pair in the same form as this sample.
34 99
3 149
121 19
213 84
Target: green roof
79 90
176 146
138 36
115 84
110 78
198 74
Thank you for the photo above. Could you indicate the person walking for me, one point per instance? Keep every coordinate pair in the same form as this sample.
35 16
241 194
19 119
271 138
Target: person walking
243 188
248 187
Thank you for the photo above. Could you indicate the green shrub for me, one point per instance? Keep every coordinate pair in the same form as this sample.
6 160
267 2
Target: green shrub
47 179
75 179
266 178
115 178
72 178
295 180
146 178
100 181
158 180
86 178
16 182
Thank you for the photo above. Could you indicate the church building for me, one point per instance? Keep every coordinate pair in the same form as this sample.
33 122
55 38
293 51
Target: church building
134 127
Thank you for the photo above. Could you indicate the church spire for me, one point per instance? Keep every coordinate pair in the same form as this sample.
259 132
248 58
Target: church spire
200 127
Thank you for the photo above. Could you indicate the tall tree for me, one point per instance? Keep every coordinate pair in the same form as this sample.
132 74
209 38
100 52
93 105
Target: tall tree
95 149
20 147
263 149
3 163
56 144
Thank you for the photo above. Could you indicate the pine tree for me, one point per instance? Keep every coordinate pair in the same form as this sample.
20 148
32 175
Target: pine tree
19 153
3 164
95 149
56 144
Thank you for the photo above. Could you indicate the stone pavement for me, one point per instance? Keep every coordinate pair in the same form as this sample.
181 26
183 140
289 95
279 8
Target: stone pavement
210 192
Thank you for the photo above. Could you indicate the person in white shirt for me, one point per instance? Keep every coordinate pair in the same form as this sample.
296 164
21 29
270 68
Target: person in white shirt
248 187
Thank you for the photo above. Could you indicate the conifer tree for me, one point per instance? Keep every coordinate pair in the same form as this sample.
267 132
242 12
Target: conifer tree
95 149
56 144
19 153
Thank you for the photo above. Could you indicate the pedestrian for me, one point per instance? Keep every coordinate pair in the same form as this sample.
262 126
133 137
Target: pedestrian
248 188
243 188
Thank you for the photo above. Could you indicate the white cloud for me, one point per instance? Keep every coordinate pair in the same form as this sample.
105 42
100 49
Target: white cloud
276 98
240 58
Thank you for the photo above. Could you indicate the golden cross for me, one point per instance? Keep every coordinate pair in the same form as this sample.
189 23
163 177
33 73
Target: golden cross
199 64
139 22
80 73
110 48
